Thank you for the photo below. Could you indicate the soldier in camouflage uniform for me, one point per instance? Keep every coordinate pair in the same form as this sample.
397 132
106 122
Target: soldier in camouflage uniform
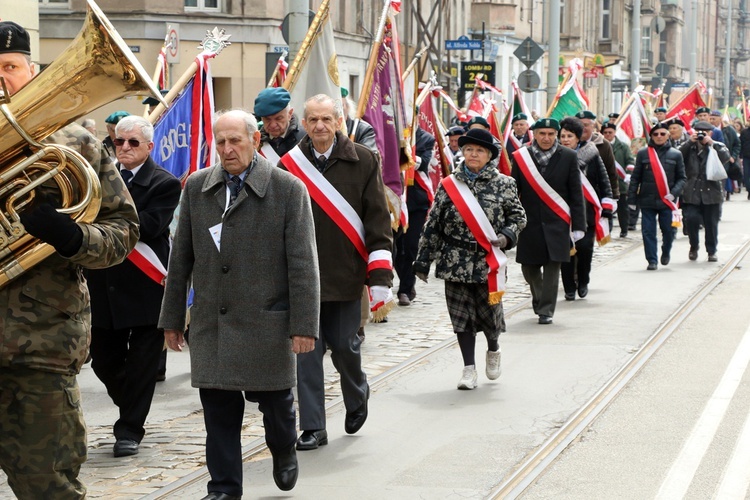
461 262
44 332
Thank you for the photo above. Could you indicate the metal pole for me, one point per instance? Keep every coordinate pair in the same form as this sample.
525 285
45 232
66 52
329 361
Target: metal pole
693 41
553 71
635 55
727 59
298 24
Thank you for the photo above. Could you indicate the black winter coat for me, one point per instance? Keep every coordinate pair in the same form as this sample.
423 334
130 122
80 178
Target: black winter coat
547 236
698 189
643 188
123 296
416 197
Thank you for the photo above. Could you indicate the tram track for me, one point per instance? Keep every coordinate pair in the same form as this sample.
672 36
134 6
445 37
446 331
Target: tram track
543 456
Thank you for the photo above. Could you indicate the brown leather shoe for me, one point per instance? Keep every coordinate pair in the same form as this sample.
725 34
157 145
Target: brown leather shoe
403 300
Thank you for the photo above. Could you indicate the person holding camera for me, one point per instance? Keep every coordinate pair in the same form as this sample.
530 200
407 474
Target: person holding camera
657 180
702 198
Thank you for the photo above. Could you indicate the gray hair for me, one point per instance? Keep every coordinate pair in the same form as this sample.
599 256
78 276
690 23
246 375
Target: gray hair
88 122
132 122
245 115
323 98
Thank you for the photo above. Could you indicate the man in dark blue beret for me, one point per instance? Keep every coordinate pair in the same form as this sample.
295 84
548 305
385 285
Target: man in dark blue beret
280 131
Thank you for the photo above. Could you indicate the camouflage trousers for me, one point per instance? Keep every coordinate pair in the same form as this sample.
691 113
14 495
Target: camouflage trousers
42 434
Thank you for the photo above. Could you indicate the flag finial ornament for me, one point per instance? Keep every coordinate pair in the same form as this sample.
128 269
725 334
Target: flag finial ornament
215 41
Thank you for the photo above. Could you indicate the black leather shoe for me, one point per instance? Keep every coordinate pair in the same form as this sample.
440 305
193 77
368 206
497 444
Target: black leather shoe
218 495
310 440
693 254
664 259
545 320
356 419
125 448
583 290
285 470
651 266
570 296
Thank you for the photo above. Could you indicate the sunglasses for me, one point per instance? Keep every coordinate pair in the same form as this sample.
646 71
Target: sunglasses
661 134
134 143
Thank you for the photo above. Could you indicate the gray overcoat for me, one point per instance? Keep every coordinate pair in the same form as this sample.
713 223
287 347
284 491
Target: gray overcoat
254 294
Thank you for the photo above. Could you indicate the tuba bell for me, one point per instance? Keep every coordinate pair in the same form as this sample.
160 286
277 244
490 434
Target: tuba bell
95 69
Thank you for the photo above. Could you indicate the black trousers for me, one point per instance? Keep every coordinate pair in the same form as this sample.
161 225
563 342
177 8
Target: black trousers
223 412
708 215
406 251
623 213
578 271
126 361
339 322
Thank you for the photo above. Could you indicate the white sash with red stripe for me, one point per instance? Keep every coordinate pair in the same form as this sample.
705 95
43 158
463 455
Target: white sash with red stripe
425 183
549 196
335 206
660 176
269 154
601 225
146 260
480 226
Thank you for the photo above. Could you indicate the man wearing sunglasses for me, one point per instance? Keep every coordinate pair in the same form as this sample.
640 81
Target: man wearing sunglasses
126 345
657 199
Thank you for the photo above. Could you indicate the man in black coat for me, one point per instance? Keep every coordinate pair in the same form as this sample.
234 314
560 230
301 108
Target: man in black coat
745 152
281 130
418 204
125 301
657 207
546 241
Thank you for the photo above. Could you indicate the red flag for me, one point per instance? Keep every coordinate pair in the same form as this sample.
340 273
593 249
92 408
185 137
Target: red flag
685 107
430 121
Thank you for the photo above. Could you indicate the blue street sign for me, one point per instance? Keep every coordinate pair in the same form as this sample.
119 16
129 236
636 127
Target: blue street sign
463 43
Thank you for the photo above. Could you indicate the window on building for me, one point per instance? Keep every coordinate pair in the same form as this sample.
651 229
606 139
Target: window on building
202 5
646 53
54 3
663 40
606 23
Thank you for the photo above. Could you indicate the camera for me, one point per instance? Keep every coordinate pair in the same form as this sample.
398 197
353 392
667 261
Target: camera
701 136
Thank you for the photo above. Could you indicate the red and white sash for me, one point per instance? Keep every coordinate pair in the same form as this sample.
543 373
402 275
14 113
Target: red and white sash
336 207
549 196
146 260
621 173
269 154
660 176
601 225
480 226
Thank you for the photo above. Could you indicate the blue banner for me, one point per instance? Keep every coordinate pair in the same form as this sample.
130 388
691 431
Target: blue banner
172 135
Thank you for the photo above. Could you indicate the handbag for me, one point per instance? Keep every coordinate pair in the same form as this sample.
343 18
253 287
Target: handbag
734 171
714 169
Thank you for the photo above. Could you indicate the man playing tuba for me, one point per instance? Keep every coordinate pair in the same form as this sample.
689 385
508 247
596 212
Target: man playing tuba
44 332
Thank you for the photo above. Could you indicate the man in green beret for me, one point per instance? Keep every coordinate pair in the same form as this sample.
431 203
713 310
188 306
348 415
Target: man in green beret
111 121
549 187
660 113
281 130
520 136
590 134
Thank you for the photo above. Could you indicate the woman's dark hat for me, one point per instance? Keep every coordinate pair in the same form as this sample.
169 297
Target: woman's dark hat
482 138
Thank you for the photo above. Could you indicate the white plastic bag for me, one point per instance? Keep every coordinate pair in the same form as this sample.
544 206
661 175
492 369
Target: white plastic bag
714 169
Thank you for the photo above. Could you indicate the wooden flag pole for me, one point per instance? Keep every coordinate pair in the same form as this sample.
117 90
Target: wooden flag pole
367 85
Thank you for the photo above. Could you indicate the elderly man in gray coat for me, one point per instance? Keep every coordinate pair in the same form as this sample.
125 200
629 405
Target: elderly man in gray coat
245 240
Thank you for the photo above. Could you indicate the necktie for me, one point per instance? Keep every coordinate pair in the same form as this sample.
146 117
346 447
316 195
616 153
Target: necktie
321 162
235 184
127 176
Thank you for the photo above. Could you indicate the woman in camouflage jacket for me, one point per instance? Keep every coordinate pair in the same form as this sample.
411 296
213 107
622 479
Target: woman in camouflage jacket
461 262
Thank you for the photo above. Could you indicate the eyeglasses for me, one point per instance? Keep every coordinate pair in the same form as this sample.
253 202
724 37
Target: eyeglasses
660 134
134 143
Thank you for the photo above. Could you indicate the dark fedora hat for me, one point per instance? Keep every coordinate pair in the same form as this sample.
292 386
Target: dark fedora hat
480 137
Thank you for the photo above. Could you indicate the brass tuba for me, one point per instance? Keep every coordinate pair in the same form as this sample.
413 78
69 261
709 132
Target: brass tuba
95 69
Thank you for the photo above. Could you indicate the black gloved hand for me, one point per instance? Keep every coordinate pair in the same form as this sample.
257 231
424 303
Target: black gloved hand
607 213
59 230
